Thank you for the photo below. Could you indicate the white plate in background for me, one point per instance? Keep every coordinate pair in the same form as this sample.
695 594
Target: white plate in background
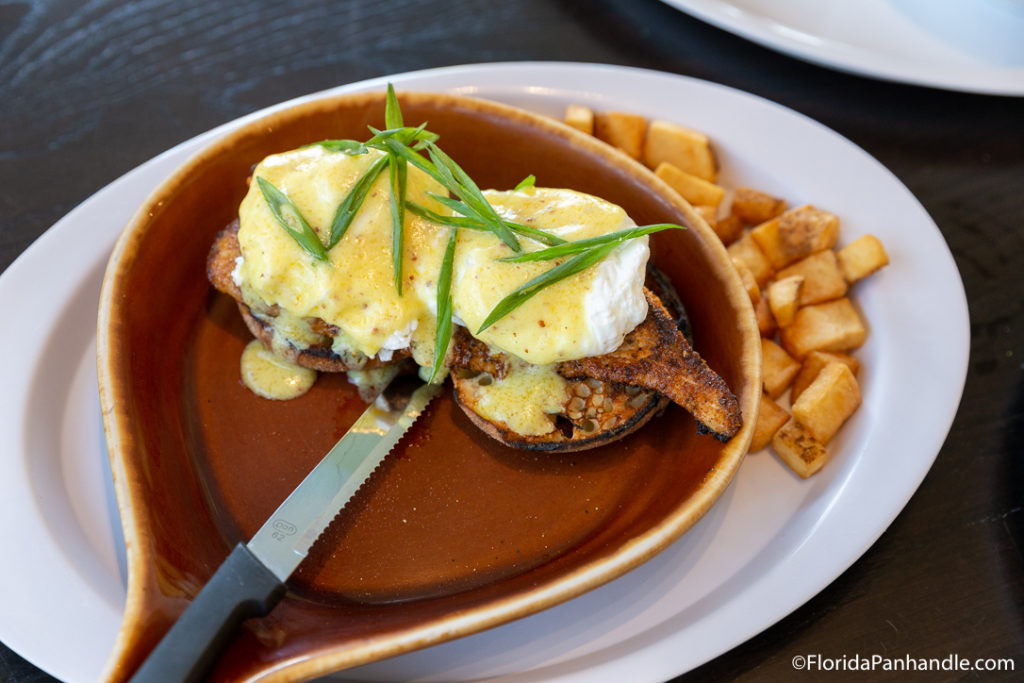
768 545
967 45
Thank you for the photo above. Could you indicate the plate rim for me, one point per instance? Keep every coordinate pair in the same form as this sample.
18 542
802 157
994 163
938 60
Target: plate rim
551 71
848 57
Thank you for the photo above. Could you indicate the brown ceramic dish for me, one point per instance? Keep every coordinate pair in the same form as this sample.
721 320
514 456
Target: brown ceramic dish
455 533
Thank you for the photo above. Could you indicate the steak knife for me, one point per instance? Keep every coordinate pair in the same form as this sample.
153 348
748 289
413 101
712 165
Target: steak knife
250 582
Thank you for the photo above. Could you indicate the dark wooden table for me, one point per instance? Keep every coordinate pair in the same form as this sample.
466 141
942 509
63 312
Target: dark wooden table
90 90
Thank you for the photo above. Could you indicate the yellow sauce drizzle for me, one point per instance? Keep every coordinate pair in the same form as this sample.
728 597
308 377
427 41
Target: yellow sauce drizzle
525 400
271 376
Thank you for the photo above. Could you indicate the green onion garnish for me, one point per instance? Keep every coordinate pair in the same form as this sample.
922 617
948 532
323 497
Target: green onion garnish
570 248
528 181
398 171
443 333
353 201
283 210
350 147
585 253
525 230
392 112
404 135
474 224
463 187
398 168
576 264
448 173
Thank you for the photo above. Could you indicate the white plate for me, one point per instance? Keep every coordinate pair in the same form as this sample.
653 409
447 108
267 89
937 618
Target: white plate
767 546
967 45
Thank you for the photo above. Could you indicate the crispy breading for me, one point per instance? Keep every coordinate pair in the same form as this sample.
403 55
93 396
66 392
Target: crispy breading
221 261
655 355
470 354
321 357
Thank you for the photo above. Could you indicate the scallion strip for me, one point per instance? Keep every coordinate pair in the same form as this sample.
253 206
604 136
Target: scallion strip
353 201
578 246
460 184
350 147
392 111
576 264
443 333
518 228
398 170
461 221
405 135
280 205
528 181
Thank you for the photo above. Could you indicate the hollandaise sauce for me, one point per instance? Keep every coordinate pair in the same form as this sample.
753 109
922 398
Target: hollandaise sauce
354 290
525 399
268 375
588 314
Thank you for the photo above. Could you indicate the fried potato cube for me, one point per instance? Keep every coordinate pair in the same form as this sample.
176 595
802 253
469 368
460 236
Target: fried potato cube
623 130
828 401
831 326
784 298
770 417
754 207
778 368
707 212
798 448
795 234
692 188
728 228
766 324
745 249
688 150
862 257
749 283
580 117
823 281
813 364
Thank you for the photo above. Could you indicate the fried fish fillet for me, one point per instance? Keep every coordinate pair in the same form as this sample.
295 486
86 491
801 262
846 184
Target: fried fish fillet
656 356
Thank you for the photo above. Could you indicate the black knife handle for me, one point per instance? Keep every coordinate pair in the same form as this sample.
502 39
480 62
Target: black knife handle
240 589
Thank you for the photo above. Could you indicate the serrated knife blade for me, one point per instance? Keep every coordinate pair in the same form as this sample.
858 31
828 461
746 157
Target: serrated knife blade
285 538
250 582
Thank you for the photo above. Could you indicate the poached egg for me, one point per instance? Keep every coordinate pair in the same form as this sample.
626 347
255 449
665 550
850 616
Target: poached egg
587 314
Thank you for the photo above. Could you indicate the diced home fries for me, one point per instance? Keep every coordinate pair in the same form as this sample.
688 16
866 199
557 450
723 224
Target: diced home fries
771 417
813 364
862 257
797 276
830 326
826 403
822 278
778 368
688 150
746 251
795 234
798 448
622 130
784 297
754 207
694 189
581 118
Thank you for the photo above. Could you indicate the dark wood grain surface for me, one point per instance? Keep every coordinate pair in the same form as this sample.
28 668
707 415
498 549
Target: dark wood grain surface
89 90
